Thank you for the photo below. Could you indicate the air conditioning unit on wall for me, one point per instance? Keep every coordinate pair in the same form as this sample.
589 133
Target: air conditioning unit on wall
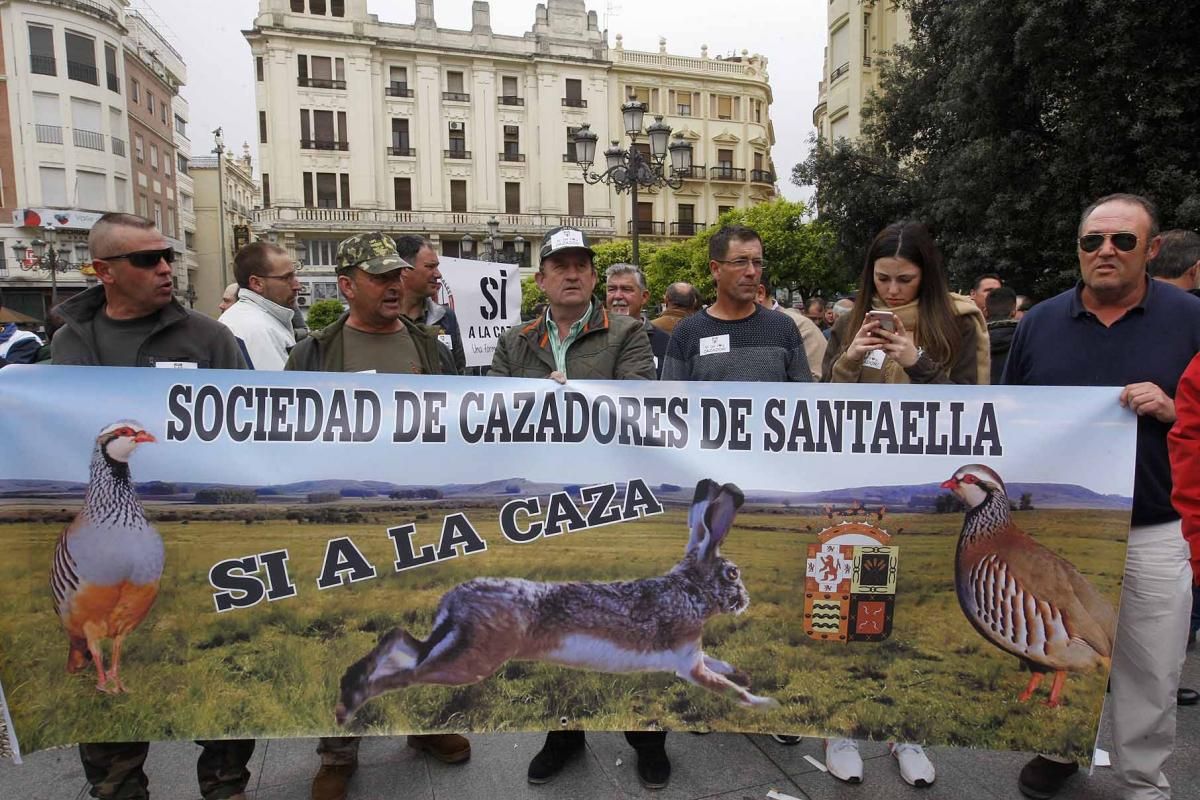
457 126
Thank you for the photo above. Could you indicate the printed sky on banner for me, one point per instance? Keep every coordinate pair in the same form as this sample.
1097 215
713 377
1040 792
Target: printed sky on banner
763 430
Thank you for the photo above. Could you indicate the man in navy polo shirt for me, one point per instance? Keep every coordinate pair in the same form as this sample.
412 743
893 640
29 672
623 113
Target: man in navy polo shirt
1118 327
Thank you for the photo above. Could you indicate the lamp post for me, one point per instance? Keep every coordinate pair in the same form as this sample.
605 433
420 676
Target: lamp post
46 256
492 244
629 169
219 149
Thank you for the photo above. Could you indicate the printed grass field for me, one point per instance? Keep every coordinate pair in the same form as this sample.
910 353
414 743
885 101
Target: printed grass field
272 670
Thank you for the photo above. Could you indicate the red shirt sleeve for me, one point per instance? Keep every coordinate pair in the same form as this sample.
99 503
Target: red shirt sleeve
1184 444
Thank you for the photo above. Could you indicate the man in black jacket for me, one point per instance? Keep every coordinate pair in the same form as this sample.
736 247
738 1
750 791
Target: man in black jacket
1001 325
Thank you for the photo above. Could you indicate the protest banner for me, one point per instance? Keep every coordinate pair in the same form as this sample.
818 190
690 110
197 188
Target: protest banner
222 554
486 298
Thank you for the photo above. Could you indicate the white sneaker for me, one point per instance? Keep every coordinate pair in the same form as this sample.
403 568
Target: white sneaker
843 761
915 767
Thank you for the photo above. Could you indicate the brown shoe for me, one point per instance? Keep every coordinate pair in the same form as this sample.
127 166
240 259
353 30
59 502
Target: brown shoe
449 748
331 781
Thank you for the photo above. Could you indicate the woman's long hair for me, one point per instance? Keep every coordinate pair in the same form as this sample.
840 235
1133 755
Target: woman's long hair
937 330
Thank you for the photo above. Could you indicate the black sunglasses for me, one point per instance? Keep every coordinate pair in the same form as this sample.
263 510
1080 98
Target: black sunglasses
1091 242
145 259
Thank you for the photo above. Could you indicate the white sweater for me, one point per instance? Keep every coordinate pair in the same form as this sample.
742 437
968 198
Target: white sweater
263 328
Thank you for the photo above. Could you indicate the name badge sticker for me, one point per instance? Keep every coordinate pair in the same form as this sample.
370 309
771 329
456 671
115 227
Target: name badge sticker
176 365
714 344
445 339
874 359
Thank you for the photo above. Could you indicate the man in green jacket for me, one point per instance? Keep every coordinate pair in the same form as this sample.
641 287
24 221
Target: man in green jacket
373 336
576 338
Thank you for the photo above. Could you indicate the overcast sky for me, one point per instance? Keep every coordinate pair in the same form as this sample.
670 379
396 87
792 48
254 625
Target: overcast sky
791 34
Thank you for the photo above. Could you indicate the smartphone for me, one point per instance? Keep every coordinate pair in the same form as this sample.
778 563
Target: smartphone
886 319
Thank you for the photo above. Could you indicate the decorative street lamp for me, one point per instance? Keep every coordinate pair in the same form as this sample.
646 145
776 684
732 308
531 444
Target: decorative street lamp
219 149
46 255
493 245
627 170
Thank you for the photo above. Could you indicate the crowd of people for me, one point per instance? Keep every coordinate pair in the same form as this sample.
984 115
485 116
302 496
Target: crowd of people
1130 322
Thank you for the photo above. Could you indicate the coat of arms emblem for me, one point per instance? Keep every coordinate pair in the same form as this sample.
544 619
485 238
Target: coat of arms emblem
850 584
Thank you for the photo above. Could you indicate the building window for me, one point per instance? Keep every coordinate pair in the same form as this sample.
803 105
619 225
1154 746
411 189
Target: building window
162 114
512 198
139 148
41 51
85 119
574 94
135 90
167 158
181 126
317 130
454 82
171 221
722 210
725 159
158 219
512 143
398 82
258 68
345 186
181 163
401 146
81 59
326 72
120 190
150 102
571 156
321 252
143 206
458 138
403 191
262 127
154 157
308 190
110 69
187 203
508 84
317 7
575 199
640 93
724 106
337 8
458 196
297 6
54 185
91 190
327 190
266 190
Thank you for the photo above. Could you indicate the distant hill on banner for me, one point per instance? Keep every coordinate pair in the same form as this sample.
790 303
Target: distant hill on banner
917 497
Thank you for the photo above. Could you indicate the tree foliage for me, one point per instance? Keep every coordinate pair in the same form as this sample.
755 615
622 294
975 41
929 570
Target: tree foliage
322 313
1000 122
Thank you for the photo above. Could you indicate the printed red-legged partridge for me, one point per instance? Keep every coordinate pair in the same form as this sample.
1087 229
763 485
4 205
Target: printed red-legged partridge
1022 597
108 561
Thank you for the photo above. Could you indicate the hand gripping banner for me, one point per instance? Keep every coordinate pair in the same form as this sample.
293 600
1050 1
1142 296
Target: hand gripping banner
221 554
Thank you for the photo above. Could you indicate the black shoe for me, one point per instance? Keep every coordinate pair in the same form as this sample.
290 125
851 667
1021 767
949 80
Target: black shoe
1187 697
1041 778
553 756
1191 645
653 767
786 739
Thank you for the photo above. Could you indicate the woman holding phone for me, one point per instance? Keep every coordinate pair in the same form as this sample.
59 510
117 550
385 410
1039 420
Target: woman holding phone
906 325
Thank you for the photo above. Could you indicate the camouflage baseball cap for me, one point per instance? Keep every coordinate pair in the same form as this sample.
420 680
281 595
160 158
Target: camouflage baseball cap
374 253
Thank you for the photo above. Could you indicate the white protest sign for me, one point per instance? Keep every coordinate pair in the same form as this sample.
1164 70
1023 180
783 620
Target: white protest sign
486 298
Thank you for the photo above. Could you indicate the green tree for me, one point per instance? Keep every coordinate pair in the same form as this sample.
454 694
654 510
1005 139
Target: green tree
531 296
322 313
999 122
1026 502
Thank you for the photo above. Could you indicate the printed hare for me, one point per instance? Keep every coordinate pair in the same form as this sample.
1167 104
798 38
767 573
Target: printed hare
644 625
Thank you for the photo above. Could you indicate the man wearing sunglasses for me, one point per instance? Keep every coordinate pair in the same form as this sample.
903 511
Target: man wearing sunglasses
1119 328
131 318
261 319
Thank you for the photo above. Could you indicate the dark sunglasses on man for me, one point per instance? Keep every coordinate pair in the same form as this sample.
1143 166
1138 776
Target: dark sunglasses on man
145 259
1123 241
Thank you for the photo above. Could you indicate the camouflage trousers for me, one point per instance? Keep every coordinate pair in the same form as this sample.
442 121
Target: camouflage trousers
114 769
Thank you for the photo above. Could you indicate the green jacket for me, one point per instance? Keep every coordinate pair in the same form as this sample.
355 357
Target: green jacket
608 347
322 350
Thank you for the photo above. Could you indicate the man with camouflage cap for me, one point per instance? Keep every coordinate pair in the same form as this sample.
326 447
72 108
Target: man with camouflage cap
373 335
